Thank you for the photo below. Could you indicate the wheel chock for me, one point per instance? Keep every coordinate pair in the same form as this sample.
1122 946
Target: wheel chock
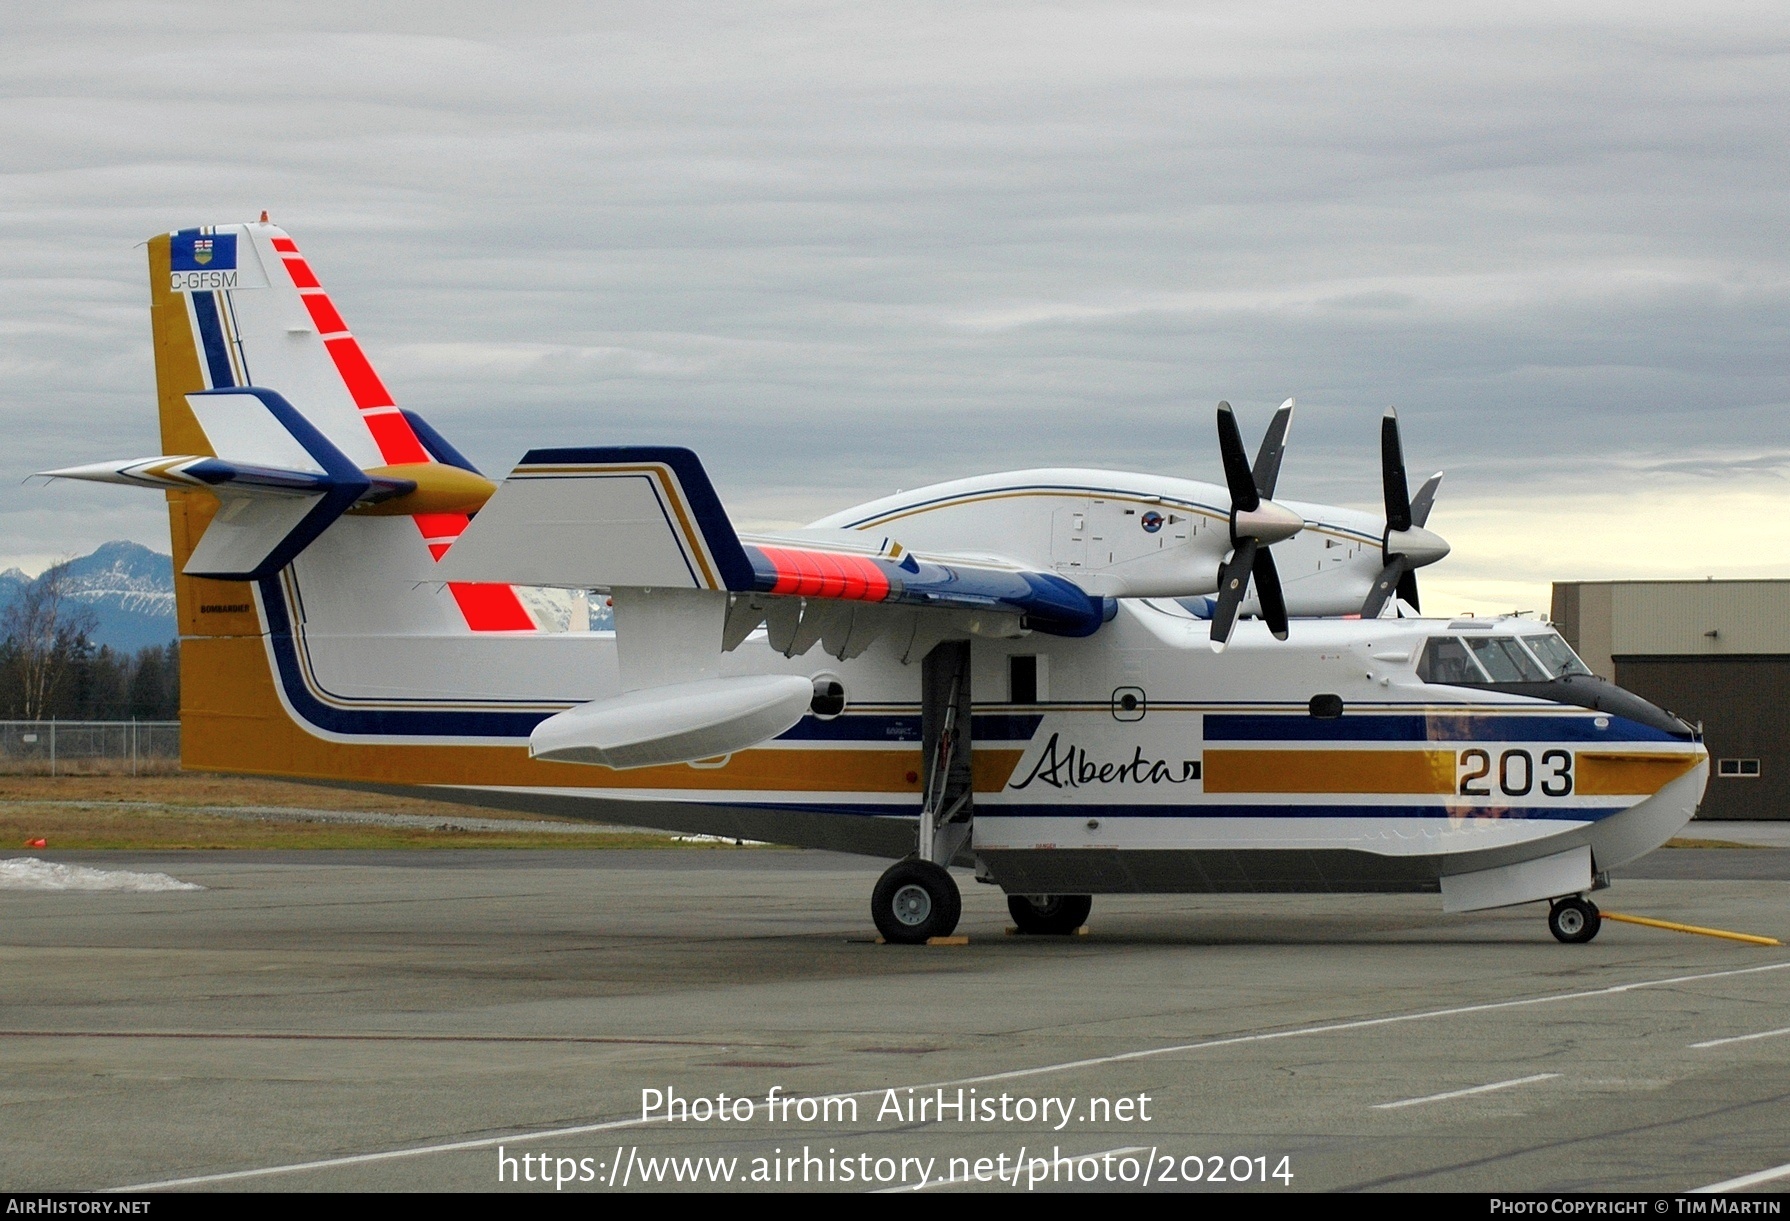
1723 933
1082 931
947 941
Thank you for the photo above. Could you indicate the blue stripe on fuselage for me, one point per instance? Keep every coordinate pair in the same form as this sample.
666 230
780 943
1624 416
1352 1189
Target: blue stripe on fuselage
881 727
989 810
1433 727
376 722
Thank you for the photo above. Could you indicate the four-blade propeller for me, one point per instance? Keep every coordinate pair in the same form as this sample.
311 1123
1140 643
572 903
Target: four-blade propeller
1256 524
1406 546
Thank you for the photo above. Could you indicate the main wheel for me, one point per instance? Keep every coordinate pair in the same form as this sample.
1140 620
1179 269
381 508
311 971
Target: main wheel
1057 915
1574 920
915 900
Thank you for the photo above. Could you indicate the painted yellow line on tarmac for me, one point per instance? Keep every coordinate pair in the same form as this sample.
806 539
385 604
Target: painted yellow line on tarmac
1749 938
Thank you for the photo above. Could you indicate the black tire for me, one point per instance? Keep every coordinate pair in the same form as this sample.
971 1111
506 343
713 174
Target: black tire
1050 915
915 900
1574 920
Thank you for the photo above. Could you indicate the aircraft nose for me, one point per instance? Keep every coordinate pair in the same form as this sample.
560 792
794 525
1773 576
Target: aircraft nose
1268 523
1417 545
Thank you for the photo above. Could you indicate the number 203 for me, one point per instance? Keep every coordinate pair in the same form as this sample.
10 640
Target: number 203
1516 773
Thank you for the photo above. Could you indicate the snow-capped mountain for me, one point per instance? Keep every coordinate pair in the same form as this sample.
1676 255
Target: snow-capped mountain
128 587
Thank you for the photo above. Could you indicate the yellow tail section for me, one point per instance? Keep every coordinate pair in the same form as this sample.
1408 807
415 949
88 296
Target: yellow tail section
224 686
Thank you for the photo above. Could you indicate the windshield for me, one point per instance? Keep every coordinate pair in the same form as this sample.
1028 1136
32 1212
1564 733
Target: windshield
1555 655
1477 660
1505 660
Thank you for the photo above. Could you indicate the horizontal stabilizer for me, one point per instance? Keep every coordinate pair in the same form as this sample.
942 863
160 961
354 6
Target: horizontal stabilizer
281 483
675 724
260 535
246 540
173 472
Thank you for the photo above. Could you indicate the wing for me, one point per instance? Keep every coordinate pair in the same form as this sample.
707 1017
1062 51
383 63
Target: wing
645 524
629 518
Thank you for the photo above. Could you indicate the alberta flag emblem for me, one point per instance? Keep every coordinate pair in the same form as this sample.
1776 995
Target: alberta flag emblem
190 250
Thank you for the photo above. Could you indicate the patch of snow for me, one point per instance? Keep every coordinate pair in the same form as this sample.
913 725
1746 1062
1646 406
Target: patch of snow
29 873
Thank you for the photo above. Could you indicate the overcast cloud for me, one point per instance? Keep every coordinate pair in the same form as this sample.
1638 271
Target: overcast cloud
840 249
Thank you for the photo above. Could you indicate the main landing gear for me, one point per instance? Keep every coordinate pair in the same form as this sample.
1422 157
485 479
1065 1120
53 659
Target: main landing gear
1574 920
917 899
1050 915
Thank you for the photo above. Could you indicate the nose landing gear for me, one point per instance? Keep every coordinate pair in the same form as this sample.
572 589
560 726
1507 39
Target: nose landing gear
1574 920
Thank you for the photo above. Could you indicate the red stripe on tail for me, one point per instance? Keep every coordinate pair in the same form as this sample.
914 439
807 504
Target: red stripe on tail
491 608
323 314
486 608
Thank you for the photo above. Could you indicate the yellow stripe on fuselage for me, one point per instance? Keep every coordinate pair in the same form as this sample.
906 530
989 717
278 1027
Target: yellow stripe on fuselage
1329 771
1432 772
233 721
1603 774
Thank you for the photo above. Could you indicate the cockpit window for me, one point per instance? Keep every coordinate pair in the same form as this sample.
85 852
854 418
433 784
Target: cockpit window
1504 659
1477 660
1555 654
1446 660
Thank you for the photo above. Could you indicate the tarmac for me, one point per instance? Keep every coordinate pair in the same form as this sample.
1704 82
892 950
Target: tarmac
433 1019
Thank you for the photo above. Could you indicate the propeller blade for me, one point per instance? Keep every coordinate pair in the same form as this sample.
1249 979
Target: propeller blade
1385 585
1274 447
1407 589
1425 500
1236 463
1267 592
1392 473
1233 584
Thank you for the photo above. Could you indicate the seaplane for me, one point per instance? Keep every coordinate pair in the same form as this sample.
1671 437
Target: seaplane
1063 682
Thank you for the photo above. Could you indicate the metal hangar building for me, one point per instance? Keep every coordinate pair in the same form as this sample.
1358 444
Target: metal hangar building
1715 652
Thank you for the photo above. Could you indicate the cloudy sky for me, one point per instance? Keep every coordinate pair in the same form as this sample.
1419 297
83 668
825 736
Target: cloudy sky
843 249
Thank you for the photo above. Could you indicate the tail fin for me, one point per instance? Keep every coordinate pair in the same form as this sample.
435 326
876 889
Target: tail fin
237 306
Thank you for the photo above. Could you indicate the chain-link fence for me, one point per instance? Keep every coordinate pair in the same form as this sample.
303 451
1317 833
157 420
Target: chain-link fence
58 748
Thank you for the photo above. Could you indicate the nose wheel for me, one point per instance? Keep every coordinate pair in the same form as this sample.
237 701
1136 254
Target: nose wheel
915 900
1574 920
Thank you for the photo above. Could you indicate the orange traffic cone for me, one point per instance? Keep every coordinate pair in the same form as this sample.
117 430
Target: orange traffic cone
37 843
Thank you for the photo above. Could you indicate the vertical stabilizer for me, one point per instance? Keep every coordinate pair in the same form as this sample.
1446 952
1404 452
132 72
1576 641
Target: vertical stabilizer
235 307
